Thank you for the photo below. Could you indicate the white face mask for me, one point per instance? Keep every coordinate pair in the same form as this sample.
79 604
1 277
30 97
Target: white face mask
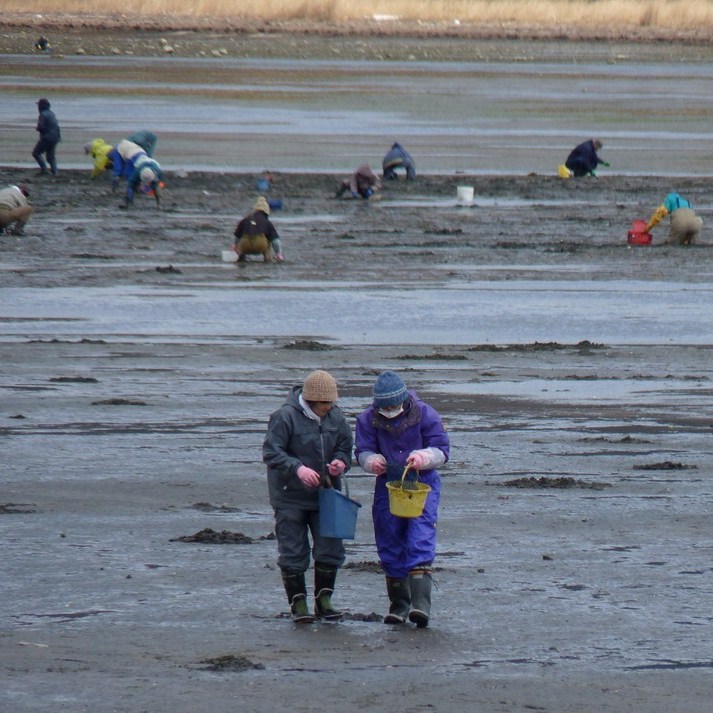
392 411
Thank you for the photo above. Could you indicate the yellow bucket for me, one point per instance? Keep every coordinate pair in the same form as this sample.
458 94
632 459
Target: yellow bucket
563 171
407 498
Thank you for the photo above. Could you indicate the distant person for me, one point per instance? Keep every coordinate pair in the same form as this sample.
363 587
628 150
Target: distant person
256 235
685 226
584 159
362 183
15 209
146 139
398 157
131 162
396 430
308 445
43 44
99 151
48 128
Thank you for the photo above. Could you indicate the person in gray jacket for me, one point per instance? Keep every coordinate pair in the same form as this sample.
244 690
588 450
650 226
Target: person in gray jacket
308 445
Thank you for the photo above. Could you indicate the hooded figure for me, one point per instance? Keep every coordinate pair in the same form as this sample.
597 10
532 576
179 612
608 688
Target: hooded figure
583 160
396 431
362 183
398 157
146 139
308 445
99 150
256 235
48 128
685 224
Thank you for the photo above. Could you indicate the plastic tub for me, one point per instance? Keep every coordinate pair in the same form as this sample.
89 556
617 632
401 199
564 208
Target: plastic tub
465 194
229 255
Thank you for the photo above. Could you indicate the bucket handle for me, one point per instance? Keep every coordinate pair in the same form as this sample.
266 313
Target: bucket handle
406 470
326 483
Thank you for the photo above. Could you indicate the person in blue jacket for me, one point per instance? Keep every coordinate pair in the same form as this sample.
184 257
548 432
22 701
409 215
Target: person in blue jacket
398 157
396 430
131 162
584 159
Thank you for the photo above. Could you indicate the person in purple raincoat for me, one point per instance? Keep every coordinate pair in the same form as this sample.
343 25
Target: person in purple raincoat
399 429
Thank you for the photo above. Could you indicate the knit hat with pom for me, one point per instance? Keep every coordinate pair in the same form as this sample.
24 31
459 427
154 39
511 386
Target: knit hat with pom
389 390
320 386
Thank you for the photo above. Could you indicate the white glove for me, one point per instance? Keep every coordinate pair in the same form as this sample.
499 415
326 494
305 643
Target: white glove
376 464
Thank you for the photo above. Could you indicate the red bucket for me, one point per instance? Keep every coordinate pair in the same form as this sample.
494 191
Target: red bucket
638 235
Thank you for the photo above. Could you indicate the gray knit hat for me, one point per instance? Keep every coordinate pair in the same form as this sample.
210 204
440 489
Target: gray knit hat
320 386
389 390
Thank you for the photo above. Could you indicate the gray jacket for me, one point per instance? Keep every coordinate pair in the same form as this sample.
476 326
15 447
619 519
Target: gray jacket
293 439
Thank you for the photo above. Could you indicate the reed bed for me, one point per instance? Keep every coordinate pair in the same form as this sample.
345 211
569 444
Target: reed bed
683 15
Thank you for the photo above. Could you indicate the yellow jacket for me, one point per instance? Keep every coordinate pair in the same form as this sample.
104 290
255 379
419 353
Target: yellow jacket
99 151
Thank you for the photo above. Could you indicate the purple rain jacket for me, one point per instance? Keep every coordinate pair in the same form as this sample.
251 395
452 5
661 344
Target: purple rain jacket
403 543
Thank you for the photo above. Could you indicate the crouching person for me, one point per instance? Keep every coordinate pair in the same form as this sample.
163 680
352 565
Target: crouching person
15 209
308 445
256 235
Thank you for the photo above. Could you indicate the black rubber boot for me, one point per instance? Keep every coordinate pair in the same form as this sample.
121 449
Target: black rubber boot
399 592
420 581
324 579
297 597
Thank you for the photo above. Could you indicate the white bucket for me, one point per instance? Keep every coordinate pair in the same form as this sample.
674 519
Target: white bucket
229 255
465 195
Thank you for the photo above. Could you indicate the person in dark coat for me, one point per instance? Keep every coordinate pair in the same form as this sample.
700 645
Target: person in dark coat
584 159
255 234
48 127
398 157
308 445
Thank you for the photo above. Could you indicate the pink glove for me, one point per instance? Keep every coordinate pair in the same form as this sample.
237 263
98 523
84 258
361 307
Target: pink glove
376 464
308 476
418 460
336 467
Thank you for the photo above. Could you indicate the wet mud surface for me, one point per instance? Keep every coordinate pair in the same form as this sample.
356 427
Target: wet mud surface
575 550
138 371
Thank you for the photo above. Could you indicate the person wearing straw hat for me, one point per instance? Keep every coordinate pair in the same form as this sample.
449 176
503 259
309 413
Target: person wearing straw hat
397 430
255 234
308 445
685 224
15 209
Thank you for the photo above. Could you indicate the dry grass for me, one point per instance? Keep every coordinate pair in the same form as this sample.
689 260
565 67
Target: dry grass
656 14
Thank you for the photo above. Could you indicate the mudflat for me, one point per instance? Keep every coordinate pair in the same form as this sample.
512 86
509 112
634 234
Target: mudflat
572 370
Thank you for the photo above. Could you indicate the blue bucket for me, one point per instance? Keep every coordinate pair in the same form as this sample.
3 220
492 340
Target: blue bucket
337 514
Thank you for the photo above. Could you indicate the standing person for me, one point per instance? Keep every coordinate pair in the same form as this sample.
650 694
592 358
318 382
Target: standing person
399 429
48 128
584 159
363 182
685 224
15 208
255 234
398 157
308 445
